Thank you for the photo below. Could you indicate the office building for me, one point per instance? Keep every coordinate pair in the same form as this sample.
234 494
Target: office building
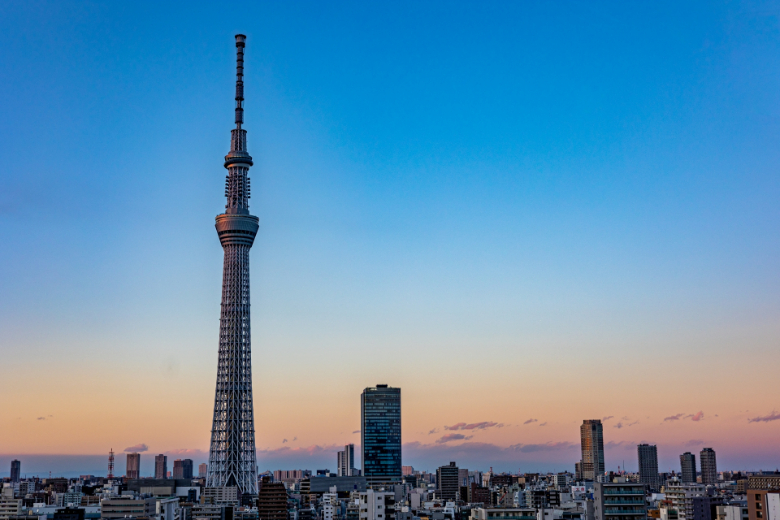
203 470
688 468
447 484
648 465
763 504
681 495
182 468
160 466
380 414
16 470
377 505
592 443
709 468
407 470
271 500
120 508
764 481
232 455
345 461
619 501
133 469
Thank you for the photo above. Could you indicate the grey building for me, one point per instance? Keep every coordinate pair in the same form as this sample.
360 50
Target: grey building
345 461
688 468
182 468
447 483
160 466
648 465
619 501
592 442
709 468
380 414
16 470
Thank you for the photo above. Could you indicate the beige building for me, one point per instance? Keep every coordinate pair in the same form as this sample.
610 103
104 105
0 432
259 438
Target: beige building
117 508
9 506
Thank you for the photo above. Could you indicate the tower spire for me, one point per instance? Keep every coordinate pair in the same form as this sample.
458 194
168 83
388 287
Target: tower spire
240 44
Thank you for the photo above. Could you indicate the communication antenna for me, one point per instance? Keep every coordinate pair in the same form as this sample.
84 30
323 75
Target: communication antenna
111 464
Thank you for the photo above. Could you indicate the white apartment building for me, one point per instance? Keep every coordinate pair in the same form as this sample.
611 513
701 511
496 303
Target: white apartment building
377 505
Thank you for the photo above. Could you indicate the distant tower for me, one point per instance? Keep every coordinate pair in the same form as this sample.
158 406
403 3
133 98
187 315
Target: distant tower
16 470
232 457
111 464
161 466
592 443
345 461
688 467
133 468
380 413
648 465
709 469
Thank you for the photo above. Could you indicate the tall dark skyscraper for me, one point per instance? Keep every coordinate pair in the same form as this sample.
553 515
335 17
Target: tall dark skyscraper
648 465
380 414
688 467
232 456
447 483
160 466
709 468
592 443
133 469
16 470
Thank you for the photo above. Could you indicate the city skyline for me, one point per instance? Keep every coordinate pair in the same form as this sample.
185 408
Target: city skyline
497 209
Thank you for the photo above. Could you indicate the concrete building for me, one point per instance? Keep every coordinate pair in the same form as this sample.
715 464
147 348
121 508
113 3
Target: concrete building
648 465
592 444
732 512
709 468
681 497
16 470
688 467
619 501
9 506
447 484
118 508
345 461
407 470
133 465
380 414
763 504
160 466
503 513
227 496
203 470
330 505
764 481
377 505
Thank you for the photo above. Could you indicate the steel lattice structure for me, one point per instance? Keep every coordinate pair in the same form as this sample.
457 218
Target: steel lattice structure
232 458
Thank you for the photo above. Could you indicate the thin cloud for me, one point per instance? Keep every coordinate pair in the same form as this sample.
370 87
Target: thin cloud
543 424
697 417
620 444
356 431
774 416
694 442
618 425
453 437
295 438
138 448
284 441
633 423
41 418
529 421
188 452
435 430
674 417
607 418
549 446
472 426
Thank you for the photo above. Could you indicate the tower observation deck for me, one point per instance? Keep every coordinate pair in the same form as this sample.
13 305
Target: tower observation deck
232 456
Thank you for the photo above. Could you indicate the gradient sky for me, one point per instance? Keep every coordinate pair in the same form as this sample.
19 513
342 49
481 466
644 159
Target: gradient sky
523 214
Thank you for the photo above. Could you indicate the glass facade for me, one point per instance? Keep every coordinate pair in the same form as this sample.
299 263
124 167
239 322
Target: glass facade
380 413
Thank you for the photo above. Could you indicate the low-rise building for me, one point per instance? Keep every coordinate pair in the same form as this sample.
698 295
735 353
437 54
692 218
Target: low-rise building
117 508
619 501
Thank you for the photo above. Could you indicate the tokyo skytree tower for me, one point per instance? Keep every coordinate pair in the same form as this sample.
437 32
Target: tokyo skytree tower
232 452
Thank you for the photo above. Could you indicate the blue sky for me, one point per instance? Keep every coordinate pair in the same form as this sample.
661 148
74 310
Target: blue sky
578 196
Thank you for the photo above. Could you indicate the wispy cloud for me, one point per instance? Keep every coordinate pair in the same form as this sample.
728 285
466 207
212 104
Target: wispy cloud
529 421
284 441
473 426
138 448
698 416
435 430
694 442
295 439
190 453
543 424
41 418
618 425
549 446
356 431
774 416
674 417
453 437
607 418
